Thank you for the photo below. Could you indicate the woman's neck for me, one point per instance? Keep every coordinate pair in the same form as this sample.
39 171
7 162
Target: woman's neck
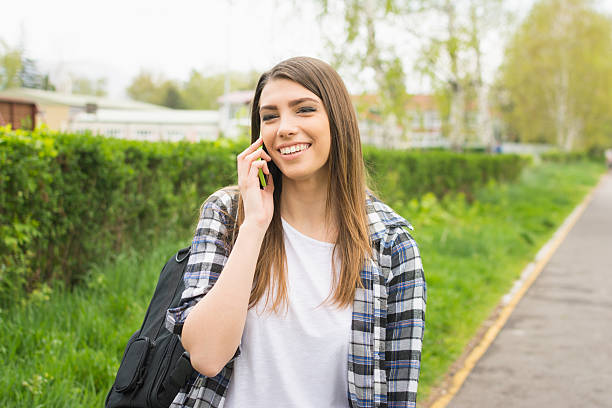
303 206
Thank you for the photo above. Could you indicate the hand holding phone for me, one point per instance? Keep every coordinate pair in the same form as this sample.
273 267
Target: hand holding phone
258 201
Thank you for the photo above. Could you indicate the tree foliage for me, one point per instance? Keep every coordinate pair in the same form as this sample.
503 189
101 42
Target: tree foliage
156 90
18 70
10 66
556 80
449 34
200 91
88 86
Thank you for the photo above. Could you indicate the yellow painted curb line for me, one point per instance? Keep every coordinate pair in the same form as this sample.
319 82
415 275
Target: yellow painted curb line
478 351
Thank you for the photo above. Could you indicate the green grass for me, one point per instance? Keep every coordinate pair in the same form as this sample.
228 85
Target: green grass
62 349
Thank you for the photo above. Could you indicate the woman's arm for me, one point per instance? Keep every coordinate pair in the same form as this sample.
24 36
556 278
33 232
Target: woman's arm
213 329
214 304
407 296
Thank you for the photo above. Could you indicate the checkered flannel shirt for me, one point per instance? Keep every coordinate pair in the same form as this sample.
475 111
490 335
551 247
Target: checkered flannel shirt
388 315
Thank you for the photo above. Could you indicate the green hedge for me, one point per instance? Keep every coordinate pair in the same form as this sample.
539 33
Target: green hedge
402 175
572 157
67 199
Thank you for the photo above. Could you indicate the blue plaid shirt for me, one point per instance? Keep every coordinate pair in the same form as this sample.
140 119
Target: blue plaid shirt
388 313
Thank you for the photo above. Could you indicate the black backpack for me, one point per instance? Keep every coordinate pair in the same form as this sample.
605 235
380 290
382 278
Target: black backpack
155 366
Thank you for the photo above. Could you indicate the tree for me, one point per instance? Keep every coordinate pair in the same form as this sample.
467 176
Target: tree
485 17
156 90
443 60
202 91
198 92
450 35
557 76
87 86
29 74
361 48
145 88
171 95
18 70
10 66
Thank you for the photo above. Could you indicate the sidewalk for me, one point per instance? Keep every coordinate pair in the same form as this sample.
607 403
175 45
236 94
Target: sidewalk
556 348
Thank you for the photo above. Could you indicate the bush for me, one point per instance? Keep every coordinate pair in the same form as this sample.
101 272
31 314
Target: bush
68 199
595 155
400 176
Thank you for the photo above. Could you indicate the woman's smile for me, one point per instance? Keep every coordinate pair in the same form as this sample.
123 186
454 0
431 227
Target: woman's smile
293 151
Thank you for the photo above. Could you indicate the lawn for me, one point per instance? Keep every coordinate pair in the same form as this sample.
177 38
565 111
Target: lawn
62 348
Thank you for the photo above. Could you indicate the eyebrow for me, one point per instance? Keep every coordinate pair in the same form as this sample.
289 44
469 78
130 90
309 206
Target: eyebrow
291 103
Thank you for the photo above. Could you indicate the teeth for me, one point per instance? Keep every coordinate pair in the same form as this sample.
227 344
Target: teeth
294 148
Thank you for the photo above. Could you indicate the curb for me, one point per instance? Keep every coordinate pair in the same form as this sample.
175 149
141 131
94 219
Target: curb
512 298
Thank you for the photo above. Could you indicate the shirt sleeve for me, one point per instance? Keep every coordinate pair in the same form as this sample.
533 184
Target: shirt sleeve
209 253
406 300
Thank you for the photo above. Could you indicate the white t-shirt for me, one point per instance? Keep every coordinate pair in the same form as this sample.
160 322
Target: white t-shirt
298 359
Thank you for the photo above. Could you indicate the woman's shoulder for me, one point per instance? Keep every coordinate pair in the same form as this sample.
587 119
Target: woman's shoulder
382 218
224 195
225 200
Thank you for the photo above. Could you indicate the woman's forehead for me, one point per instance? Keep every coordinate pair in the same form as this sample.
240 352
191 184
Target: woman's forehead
281 90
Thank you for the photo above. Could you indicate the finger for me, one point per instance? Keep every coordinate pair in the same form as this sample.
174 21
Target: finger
260 164
245 161
252 147
254 170
256 155
266 156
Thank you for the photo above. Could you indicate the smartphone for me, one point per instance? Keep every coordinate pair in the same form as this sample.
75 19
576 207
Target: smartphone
262 177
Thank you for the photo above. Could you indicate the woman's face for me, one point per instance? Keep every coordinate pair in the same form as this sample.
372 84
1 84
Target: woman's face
295 130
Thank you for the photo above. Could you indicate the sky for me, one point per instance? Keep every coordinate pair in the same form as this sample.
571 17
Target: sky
117 39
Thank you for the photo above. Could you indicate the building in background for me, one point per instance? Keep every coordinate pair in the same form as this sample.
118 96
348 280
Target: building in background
121 118
235 113
57 110
128 119
424 130
19 113
159 125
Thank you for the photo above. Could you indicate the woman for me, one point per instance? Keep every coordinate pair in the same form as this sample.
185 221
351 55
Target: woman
308 292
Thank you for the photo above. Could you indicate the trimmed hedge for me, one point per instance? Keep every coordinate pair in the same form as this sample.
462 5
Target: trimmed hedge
572 157
67 200
401 175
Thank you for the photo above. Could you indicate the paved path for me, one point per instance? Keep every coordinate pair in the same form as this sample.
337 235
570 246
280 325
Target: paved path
556 348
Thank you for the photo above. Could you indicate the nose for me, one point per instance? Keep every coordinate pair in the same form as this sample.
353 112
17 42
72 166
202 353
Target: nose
286 126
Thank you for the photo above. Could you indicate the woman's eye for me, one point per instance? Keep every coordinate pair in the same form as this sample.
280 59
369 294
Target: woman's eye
306 109
267 117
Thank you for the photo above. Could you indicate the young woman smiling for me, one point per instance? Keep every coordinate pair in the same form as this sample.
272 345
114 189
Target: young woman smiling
308 292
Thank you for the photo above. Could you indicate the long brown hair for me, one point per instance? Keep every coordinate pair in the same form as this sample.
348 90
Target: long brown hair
346 191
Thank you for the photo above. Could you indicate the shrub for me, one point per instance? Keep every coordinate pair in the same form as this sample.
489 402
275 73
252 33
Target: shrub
595 155
69 199
402 175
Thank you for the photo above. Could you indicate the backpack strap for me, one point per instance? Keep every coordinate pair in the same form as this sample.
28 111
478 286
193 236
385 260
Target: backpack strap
181 372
